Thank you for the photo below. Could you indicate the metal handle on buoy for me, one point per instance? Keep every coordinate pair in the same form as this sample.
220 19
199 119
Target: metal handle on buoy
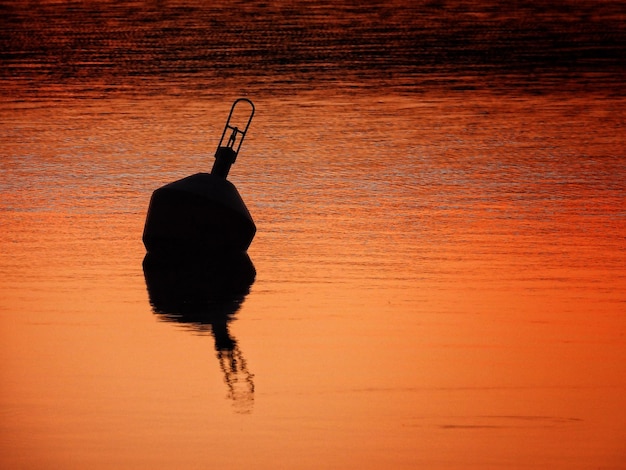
227 152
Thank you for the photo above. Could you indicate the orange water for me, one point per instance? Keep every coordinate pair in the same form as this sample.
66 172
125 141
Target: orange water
441 280
444 292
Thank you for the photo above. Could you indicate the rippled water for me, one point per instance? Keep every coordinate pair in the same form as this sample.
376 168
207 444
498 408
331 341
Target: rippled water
440 259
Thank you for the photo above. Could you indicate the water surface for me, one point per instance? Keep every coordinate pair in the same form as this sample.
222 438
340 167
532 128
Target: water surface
441 249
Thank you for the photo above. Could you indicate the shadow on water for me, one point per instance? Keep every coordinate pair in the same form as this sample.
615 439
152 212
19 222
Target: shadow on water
204 294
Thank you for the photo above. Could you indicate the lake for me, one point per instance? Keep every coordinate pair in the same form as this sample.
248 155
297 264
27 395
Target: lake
439 190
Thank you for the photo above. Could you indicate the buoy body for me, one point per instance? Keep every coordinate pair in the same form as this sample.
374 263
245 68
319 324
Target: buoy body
203 214
200 214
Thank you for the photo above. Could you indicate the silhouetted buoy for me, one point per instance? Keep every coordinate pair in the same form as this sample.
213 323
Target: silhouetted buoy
204 212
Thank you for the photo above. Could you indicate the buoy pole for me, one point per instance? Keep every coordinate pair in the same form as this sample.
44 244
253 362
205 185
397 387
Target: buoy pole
224 158
226 152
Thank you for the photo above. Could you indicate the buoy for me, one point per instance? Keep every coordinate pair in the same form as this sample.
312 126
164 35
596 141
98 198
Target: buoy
204 213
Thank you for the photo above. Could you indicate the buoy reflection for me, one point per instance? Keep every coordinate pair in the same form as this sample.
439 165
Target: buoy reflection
205 293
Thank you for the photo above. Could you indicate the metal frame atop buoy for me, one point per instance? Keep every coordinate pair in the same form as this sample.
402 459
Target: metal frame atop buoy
236 130
227 151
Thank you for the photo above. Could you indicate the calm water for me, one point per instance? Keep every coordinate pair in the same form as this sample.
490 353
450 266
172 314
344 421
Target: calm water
439 193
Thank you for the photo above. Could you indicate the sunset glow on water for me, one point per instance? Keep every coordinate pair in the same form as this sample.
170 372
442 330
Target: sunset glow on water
440 252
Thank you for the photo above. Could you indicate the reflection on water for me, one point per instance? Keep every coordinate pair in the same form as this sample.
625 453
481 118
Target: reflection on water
204 294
